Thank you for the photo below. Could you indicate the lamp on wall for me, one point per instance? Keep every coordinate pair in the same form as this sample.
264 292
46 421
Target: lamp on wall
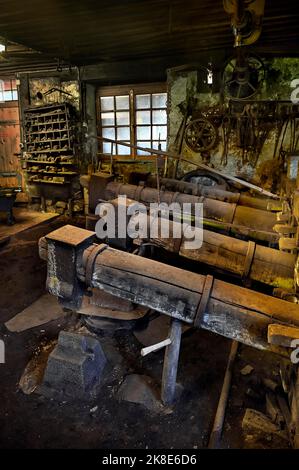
207 74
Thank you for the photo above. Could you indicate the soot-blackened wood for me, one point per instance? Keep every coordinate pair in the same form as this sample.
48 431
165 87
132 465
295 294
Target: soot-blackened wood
267 265
232 311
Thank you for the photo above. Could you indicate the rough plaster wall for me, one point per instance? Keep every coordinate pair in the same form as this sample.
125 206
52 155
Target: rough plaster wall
280 73
43 85
90 143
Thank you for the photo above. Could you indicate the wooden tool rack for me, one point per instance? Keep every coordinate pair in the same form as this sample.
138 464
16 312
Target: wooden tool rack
49 145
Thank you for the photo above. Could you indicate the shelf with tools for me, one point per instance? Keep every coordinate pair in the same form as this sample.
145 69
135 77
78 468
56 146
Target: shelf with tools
50 181
48 131
48 123
46 172
49 140
41 141
49 162
51 150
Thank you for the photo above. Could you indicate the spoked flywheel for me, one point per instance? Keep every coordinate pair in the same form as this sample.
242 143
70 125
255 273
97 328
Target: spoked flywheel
200 135
243 76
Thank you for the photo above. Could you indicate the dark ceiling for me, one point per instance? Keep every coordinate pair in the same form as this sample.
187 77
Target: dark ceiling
88 31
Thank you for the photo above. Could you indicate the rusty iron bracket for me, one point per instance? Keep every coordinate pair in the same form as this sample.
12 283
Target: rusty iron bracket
90 260
248 260
205 296
138 192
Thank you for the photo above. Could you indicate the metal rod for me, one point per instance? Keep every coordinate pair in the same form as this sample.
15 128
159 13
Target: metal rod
220 413
198 165
155 347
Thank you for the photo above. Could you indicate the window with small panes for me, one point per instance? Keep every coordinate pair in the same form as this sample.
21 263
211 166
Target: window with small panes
135 115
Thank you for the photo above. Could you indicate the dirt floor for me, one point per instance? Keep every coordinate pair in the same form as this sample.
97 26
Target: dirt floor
24 219
33 421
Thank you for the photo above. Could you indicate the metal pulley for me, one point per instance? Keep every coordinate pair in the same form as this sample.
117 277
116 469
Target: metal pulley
243 76
200 135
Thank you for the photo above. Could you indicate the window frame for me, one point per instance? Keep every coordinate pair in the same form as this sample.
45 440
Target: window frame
13 81
130 90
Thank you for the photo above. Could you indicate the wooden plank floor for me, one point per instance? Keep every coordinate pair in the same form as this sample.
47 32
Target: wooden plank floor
24 219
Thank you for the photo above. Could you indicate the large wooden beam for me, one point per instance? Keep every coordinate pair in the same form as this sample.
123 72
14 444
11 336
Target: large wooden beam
218 215
211 192
247 260
229 310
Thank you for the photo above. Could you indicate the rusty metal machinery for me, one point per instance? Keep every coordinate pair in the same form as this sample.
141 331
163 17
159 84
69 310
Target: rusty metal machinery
205 178
244 73
244 121
200 135
246 19
250 122
243 76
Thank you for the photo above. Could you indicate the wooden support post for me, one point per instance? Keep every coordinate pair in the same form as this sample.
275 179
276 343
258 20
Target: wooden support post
171 360
216 433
